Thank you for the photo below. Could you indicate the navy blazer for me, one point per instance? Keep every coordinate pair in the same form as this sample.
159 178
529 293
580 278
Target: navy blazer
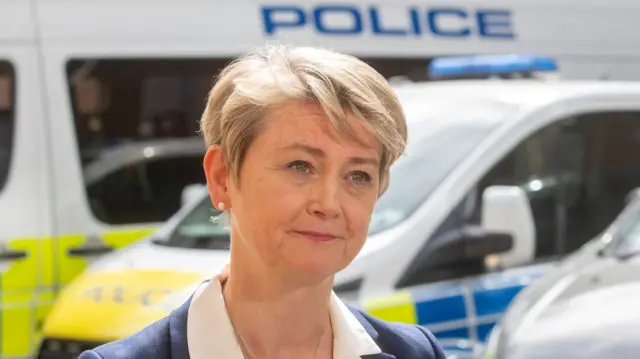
167 339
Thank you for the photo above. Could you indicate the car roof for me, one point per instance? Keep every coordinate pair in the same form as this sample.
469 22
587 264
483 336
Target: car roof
521 93
112 159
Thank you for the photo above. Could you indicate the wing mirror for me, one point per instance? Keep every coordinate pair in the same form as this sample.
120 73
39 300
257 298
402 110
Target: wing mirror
506 210
470 244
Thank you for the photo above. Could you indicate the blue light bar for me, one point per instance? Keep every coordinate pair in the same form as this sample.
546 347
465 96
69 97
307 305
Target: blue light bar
480 65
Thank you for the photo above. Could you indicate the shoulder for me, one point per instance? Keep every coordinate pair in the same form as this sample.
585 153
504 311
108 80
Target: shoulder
400 339
152 342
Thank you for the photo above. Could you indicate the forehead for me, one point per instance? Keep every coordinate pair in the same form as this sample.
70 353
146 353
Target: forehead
307 123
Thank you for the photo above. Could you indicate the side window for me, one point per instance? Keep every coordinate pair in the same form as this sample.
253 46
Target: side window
609 170
577 173
143 192
137 124
534 166
7 119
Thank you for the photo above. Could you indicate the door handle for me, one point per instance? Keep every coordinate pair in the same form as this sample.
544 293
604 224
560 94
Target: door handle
11 255
93 245
91 250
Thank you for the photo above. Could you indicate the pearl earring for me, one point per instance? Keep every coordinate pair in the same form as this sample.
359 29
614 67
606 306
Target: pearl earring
221 206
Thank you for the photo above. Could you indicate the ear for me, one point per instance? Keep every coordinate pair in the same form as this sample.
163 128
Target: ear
217 173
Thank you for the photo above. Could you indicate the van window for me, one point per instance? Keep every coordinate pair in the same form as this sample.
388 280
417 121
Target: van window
532 165
143 192
136 123
7 119
577 173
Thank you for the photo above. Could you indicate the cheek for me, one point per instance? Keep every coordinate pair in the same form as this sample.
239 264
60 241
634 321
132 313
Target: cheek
358 216
270 203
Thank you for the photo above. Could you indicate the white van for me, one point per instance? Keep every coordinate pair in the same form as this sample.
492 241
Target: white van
79 81
502 179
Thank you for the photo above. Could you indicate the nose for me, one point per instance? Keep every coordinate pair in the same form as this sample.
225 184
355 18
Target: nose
324 201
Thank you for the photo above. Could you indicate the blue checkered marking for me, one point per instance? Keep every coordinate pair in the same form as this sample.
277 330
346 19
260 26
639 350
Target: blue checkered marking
483 331
494 301
441 310
439 303
493 293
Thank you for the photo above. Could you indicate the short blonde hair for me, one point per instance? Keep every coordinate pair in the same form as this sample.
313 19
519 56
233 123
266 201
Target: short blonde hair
276 74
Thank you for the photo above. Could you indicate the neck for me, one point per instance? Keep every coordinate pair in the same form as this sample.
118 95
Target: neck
276 319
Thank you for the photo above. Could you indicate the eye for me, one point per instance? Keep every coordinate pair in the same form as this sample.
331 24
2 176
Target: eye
300 166
360 177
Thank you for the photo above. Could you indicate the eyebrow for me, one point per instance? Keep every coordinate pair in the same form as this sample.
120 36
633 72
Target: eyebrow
318 152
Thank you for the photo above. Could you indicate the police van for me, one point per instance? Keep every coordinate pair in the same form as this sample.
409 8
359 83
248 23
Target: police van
125 81
502 178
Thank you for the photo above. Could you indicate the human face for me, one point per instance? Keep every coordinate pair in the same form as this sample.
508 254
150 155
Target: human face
305 193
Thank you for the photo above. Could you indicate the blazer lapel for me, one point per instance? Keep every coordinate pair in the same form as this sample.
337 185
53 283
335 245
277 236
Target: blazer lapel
373 333
178 331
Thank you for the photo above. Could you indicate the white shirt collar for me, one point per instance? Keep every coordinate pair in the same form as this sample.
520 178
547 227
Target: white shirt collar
210 333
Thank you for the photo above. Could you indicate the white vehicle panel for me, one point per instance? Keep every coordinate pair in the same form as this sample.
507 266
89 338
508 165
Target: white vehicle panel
516 26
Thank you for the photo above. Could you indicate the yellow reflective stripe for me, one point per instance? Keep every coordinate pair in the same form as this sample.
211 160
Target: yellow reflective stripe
69 266
18 287
397 307
28 287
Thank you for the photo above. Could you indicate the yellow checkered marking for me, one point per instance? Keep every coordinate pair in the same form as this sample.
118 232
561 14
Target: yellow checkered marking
397 307
18 297
29 286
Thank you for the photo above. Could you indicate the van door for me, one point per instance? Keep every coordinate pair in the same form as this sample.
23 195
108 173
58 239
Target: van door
26 287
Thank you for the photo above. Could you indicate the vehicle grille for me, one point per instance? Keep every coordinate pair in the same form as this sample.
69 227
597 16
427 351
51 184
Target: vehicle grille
63 348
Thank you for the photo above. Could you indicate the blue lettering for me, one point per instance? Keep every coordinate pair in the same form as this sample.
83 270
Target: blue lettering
269 14
495 23
434 26
376 25
321 26
415 21
343 20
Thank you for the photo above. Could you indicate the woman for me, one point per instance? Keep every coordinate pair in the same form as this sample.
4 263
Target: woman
300 142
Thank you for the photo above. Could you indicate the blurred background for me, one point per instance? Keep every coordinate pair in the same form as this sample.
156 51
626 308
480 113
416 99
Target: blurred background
510 231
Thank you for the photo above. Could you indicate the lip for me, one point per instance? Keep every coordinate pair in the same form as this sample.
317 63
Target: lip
317 236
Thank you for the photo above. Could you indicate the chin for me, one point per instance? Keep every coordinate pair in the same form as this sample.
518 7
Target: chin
313 270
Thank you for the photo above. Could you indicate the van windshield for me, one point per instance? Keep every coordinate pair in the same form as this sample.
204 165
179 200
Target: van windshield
441 135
